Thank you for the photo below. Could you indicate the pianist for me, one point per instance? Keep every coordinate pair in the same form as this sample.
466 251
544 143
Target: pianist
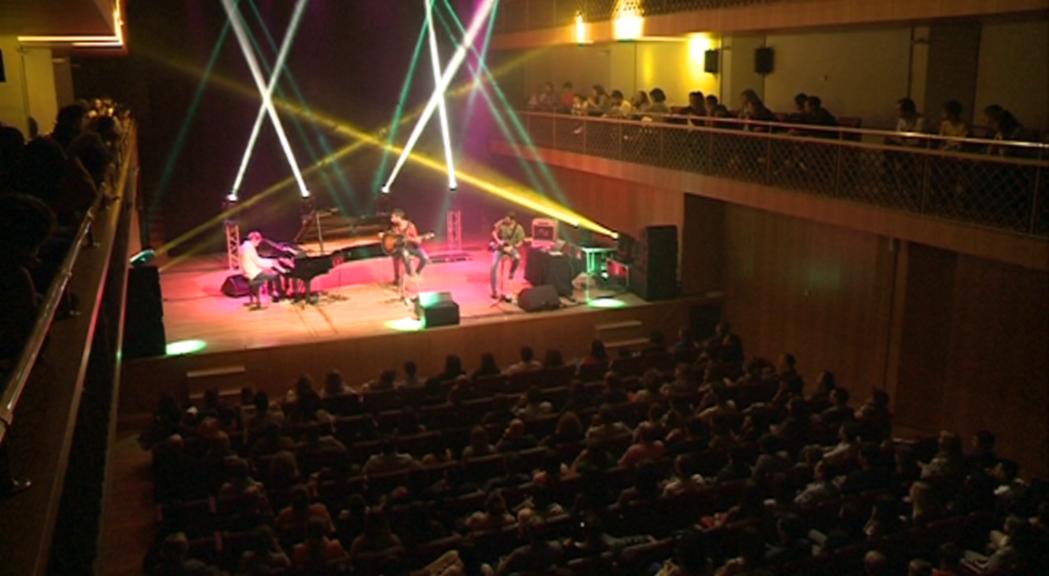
259 270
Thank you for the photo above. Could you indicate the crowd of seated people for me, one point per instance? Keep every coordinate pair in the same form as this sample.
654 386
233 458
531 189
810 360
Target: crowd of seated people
678 460
998 123
46 186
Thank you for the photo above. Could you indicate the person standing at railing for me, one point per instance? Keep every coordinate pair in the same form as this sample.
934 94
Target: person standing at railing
25 224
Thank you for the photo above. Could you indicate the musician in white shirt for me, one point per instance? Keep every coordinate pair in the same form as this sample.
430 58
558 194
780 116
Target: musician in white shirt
259 270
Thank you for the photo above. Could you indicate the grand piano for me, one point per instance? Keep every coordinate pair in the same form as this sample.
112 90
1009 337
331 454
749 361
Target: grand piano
326 239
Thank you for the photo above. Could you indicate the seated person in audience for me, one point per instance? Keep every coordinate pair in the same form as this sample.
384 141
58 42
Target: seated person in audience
597 101
494 516
335 386
239 481
798 115
538 556
291 523
657 345
948 462
817 115
682 384
594 460
721 436
1004 127
172 558
618 107
820 489
605 426
696 108
749 507
691 436
884 519
453 368
552 470
479 444
567 95
390 460
408 424
874 417
839 412
502 411
908 120
385 382
411 376
25 223
984 453
926 505
265 555
690 557
640 104
420 526
314 555
651 383
377 535
791 544
919 567
729 343
598 355
319 446
264 414
685 478
685 349
876 563
569 430
1011 492
488 367
532 405
720 405
515 438
844 453
870 474
952 125
659 108
714 108
539 503
647 448
820 400
796 427
1010 550
754 110
527 362
613 393
736 468
462 390
282 475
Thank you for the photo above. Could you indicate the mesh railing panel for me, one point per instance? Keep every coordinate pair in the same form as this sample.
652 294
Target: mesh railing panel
1004 193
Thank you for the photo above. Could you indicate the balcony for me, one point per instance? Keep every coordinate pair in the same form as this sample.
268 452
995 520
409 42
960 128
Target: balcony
1001 186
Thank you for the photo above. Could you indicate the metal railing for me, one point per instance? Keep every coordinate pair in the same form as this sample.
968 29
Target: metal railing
521 15
1003 185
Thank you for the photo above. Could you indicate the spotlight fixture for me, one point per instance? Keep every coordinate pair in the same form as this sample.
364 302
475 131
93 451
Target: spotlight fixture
142 258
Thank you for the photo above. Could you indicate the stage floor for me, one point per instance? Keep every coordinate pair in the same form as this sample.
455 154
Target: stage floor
357 300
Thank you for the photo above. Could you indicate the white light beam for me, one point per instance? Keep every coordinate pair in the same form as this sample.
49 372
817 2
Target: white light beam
442 112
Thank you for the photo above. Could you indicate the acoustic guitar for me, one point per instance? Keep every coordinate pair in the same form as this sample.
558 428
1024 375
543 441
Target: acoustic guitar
393 242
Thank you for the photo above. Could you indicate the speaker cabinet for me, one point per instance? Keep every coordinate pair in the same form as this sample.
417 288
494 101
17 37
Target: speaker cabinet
764 60
654 274
539 298
437 309
711 61
235 286
144 316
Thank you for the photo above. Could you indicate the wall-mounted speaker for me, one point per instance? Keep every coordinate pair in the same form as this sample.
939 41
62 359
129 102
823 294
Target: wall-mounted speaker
764 59
711 61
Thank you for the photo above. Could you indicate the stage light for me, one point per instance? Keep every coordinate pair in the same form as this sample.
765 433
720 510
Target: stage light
628 23
442 111
142 258
442 85
260 84
182 347
580 29
278 68
405 324
385 189
606 303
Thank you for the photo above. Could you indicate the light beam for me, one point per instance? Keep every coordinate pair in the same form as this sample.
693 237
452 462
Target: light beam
442 112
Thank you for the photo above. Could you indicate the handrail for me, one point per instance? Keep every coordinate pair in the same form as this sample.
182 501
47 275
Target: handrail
712 124
998 184
16 381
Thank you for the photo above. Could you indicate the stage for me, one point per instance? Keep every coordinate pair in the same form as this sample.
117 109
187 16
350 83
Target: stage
361 327
357 299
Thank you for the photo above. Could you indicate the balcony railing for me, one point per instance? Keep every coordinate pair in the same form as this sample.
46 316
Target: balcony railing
1003 185
520 15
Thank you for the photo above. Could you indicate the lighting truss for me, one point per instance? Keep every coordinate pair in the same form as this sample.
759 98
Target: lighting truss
266 91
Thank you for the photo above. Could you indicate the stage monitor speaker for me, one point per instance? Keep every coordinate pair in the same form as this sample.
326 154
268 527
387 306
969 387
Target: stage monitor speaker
437 309
144 315
539 298
764 60
235 286
711 61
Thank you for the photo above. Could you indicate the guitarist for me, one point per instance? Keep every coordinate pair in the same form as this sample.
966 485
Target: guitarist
507 237
409 246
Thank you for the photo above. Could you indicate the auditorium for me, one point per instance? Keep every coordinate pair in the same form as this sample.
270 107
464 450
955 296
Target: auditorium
524 287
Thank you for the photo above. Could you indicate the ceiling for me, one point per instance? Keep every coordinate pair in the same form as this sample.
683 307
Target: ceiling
56 17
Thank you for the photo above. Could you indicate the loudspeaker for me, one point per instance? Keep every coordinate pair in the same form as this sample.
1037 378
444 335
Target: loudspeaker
235 286
764 58
437 309
654 274
539 298
144 315
711 61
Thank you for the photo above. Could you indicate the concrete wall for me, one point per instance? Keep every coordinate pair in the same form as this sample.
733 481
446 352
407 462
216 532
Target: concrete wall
1014 70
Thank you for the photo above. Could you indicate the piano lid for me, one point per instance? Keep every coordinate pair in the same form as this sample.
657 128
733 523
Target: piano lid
333 226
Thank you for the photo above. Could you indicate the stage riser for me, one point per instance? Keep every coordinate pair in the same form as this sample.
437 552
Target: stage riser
273 370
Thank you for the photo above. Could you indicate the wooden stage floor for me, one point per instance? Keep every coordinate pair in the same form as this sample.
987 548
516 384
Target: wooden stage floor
358 300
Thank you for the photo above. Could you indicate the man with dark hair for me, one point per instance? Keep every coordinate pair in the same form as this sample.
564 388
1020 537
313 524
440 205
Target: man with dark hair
507 238
528 363
407 245
817 115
